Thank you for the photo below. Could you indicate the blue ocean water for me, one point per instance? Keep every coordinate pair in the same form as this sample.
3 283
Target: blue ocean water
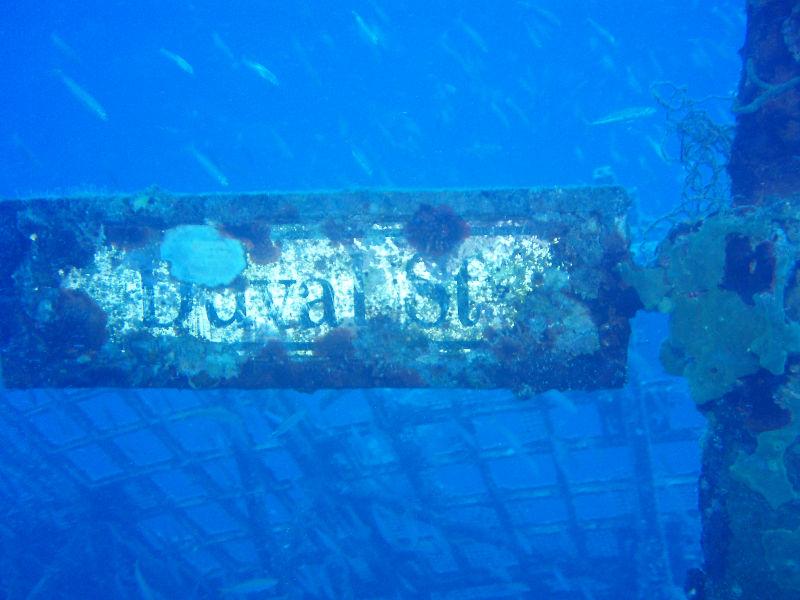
360 494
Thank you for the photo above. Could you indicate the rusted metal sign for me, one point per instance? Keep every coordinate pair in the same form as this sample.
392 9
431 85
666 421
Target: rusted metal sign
494 288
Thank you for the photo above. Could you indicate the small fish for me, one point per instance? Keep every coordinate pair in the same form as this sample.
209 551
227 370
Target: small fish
466 436
468 66
658 148
209 166
251 586
83 96
633 81
562 583
63 46
327 541
289 423
548 16
18 143
362 161
557 399
526 85
604 175
370 32
535 36
261 71
602 32
326 586
181 62
220 44
145 591
518 110
625 115
500 115
281 144
302 55
474 36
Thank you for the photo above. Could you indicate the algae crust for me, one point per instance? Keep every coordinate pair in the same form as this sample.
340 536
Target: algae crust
782 551
764 471
718 334
727 324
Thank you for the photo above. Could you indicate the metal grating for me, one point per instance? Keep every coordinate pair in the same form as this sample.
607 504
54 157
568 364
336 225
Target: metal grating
370 494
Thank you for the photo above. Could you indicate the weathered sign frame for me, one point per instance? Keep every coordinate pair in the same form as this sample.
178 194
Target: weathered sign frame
511 288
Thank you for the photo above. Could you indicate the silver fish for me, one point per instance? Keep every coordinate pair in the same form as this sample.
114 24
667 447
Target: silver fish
261 70
548 16
251 586
63 46
289 423
625 115
474 36
602 32
83 96
361 161
145 591
209 166
181 62
220 44
370 32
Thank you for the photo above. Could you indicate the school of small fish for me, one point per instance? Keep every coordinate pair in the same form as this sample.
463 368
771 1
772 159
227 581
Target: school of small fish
464 44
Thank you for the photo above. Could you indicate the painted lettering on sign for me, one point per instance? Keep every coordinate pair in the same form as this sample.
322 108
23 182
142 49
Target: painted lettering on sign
316 285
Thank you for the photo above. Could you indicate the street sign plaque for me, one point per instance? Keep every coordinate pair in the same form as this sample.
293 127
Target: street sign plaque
460 288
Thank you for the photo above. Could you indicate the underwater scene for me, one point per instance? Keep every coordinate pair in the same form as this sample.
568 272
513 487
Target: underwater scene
381 300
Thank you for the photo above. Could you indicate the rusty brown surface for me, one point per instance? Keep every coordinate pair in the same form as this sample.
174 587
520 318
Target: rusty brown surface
765 158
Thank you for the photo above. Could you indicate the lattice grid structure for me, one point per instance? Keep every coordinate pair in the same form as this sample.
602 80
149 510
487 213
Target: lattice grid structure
374 494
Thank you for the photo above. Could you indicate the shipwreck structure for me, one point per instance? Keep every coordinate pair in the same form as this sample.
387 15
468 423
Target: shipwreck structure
231 477
530 290
730 283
